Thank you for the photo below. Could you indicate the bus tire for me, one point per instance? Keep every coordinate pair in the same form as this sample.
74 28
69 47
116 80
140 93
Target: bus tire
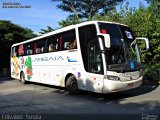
23 78
71 85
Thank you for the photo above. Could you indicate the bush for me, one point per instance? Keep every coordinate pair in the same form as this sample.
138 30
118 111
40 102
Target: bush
151 71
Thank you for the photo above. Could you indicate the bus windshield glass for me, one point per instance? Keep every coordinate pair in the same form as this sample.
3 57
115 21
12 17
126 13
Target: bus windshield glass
120 56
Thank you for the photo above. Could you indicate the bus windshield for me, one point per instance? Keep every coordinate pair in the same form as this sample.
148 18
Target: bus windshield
120 56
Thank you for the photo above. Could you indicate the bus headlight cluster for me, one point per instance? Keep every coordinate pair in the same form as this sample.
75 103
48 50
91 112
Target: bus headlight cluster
110 77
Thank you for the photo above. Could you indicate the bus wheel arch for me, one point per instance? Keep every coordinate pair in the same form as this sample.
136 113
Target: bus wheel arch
71 84
22 77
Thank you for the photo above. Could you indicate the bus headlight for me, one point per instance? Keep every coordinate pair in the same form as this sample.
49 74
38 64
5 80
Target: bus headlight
110 77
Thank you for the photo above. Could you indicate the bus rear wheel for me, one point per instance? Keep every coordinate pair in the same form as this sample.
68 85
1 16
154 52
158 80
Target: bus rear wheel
23 78
71 85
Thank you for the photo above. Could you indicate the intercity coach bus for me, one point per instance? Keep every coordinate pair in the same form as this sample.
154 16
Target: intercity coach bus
95 56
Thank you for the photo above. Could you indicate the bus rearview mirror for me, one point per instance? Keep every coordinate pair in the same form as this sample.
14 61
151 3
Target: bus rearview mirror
141 38
106 38
146 42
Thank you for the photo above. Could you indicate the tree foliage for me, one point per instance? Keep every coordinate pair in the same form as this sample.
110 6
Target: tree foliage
81 10
68 21
13 32
151 1
44 31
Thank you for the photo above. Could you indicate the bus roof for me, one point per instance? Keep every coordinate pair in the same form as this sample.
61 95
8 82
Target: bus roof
65 29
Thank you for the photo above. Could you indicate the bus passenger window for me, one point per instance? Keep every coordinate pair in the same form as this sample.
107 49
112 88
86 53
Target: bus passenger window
51 47
73 44
52 44
70 45
14 52
38 50
69 40
30 48
66 45
21 50
40 46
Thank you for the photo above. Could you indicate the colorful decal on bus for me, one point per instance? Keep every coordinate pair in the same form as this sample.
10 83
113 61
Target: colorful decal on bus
28 64
16 66
21 63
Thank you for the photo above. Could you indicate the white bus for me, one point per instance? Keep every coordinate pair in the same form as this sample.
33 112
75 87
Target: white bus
95 56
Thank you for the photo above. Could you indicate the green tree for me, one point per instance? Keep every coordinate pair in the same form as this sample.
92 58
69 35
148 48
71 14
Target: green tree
69 21
82 10
44 31
13 32
151 1
8 36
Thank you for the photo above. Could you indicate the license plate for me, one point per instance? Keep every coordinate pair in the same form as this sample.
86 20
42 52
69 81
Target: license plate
130 84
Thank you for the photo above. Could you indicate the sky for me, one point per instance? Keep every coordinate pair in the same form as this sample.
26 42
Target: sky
42 13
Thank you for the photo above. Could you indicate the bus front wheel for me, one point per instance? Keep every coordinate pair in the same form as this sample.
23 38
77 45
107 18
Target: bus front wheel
71 85
23 78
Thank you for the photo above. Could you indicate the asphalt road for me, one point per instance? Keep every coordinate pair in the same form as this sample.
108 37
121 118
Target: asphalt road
37 101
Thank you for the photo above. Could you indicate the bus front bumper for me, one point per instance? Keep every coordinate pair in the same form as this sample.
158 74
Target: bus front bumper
116 86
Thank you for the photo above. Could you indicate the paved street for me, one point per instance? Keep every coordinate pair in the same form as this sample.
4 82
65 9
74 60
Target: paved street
32 98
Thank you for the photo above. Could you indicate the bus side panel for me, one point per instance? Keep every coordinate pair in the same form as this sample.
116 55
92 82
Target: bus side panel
48 68
16 67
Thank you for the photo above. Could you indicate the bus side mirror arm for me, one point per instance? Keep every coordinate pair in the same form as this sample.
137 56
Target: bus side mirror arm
141 38
146 41
131 45
106 39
